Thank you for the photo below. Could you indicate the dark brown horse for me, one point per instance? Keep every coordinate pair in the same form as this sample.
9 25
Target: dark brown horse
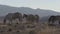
31 17
53 19
13 16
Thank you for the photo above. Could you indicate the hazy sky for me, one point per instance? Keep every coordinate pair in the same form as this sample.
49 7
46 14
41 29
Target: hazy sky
43 4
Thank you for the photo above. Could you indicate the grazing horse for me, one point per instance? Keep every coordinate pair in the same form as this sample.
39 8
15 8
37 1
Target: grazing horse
54 19
13 16
37 18
31 17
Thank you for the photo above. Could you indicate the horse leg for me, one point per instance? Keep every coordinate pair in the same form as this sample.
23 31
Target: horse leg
4 21
20 20
59 22
10 22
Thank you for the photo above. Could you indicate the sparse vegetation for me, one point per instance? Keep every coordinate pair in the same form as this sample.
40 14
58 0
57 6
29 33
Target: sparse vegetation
29 27
9 30
45 29
32 32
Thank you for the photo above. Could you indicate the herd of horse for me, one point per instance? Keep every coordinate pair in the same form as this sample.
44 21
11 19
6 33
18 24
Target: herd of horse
12 16
33 18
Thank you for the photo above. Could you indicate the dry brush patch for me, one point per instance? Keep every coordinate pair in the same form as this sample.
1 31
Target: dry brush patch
28 28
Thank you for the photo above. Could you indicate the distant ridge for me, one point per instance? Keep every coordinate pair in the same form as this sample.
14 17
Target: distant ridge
4 10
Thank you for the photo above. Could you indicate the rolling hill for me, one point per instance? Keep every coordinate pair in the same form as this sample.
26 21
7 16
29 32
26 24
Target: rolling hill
4 10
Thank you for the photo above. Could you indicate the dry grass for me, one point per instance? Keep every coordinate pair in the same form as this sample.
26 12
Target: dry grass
22 29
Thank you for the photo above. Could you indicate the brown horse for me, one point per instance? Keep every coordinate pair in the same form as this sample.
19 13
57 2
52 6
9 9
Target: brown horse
53 19
31 17
13 16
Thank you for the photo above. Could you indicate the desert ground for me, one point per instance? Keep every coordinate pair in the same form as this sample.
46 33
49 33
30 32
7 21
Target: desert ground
28 28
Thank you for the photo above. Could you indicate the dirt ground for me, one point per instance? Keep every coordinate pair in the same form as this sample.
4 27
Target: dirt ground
28 28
